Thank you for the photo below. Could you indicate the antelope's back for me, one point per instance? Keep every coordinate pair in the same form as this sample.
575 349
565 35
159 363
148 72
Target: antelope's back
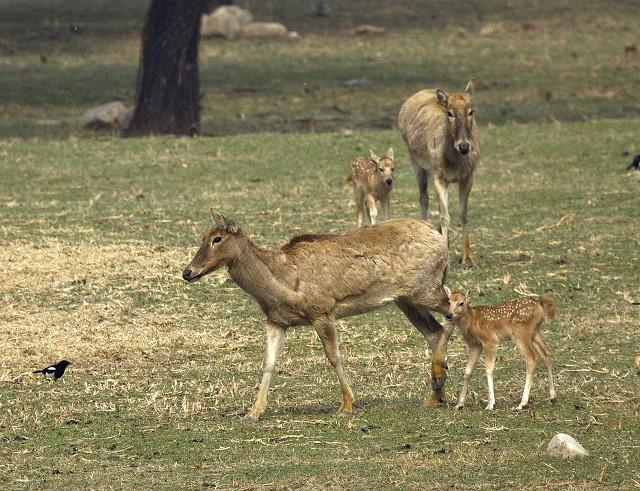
396 255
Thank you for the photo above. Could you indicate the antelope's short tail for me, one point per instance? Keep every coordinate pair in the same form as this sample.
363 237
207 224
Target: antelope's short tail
348 179
549 305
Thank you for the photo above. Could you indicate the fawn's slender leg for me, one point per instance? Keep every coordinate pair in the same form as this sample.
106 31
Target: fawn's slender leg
326 330
530 358
386 204
442 192
489 365
541 349
465 190
275 340
474 355
371 207
359 197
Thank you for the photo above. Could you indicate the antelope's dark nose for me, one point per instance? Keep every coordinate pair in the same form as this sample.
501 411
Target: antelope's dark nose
186 274
463 148
388 181
449 316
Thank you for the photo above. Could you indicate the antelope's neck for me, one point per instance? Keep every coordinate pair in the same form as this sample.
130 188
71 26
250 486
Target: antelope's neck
253 271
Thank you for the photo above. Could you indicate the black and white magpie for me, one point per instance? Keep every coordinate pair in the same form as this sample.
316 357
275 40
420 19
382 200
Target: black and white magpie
54 372
635 163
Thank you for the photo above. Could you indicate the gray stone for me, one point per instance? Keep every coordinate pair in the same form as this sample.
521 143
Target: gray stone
106 116
264 30
565 447
225 21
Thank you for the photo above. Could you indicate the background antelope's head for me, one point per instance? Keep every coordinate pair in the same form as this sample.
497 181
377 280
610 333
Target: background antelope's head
458 304
384 166
218 247
459 117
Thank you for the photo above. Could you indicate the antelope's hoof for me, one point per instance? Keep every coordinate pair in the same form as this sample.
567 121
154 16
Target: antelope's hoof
553 400
248 419
489 407
437 398
459 407
467 263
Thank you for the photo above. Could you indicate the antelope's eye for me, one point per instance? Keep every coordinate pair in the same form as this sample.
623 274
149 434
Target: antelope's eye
216 240
381 169
471 112
460 304
450 114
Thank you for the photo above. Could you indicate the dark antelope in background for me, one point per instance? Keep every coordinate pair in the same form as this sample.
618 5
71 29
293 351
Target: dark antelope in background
442 138
316 279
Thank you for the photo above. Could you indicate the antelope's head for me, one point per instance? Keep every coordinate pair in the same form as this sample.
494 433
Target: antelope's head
384 166
458 304
219 246
459 117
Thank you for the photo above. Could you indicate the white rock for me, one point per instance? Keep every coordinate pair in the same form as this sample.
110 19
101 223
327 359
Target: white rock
264 30
106 116
225 21
566 447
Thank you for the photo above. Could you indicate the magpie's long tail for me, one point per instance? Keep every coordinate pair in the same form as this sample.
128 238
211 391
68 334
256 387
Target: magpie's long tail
37 371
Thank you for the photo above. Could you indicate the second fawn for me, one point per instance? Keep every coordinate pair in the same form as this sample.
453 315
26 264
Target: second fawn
372 179
483 327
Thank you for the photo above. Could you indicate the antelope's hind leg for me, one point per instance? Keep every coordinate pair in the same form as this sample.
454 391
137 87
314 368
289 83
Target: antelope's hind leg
326 330
438 338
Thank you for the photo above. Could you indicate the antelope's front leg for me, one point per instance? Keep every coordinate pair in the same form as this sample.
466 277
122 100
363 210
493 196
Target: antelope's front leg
326 330
465 190
275 340
442 192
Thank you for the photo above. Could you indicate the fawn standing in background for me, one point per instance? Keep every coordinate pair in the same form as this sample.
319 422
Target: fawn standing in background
442 137
372 179
316 279
484 326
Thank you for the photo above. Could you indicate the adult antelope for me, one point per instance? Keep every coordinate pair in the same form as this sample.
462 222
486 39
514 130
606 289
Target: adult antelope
316 279
442 137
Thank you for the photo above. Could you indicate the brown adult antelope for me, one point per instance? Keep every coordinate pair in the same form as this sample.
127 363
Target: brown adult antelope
442 138
484 326
372 180
315 279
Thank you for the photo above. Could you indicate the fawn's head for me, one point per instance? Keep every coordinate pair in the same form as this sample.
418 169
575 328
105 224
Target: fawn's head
219 246
459 117
458 304
384 166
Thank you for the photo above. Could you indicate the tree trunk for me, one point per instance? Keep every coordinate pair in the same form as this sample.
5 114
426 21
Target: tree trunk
168 91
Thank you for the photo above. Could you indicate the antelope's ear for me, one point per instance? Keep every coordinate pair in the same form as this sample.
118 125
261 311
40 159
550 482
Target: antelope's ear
467 295
471 87
447 291
223 222
390 153
218 218
443 98
374 156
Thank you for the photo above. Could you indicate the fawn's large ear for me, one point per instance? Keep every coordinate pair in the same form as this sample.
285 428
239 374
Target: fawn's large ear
467 295
390 153
223 222
447 291
471 87
443 98
374 156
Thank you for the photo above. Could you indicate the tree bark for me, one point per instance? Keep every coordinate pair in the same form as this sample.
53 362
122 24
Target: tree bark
168 89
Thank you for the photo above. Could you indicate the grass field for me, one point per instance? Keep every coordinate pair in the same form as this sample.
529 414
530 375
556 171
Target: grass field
95 230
